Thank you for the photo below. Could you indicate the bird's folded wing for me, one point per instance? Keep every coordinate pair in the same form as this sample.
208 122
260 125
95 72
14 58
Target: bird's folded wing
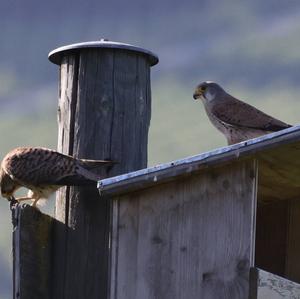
54 169
239 114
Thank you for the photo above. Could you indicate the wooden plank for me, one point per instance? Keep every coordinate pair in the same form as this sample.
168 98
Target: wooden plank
110 121
32 236
292 270
66 115
113 261
265 285
193 238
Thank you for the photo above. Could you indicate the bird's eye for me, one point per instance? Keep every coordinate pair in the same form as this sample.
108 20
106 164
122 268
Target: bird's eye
203 88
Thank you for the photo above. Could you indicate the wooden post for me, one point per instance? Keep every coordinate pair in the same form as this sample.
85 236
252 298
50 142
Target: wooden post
32 233
103 113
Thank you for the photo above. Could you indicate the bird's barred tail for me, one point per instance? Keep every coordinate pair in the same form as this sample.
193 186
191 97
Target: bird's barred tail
88 174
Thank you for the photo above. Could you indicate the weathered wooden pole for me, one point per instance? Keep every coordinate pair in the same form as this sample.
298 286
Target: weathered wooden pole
32 237
103 113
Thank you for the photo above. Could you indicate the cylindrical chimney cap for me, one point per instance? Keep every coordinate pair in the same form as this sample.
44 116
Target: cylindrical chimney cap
55 56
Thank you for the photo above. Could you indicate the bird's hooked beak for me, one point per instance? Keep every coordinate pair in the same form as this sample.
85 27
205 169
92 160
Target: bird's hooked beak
198 93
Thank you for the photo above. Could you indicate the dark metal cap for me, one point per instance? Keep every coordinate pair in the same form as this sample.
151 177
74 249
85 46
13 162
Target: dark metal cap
55 56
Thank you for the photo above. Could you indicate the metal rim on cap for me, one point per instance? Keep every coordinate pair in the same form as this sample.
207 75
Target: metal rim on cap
56 55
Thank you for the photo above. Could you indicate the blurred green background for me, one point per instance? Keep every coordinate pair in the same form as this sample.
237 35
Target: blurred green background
251 48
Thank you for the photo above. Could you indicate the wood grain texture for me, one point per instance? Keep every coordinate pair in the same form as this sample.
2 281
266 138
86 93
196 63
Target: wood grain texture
31 253
193 238
105 106
66 115
279 173
265 285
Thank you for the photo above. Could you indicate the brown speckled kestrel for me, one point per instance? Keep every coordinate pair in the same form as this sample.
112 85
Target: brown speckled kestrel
43 171
237 120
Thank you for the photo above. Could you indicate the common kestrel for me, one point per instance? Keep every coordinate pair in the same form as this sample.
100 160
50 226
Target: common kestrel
237 120
43 171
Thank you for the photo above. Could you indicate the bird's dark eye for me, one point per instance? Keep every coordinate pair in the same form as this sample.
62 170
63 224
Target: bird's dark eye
203 88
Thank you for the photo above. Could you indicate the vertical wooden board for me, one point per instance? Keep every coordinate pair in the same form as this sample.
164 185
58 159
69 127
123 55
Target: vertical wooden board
66 114
143 109
271 236
293 242
88 216
121 255
101 99
192 238
32 236
95 105
114 250
130 90
125 77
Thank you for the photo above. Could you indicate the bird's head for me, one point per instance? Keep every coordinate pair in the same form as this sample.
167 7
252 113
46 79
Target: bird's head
208 91
8 186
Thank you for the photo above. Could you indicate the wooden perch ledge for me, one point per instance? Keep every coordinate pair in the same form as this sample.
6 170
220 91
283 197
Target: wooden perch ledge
282 147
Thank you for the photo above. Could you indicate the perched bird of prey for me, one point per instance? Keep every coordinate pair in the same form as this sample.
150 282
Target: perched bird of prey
43 171
237 120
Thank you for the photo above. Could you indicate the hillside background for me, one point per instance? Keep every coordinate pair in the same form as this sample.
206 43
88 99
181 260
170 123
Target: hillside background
252 48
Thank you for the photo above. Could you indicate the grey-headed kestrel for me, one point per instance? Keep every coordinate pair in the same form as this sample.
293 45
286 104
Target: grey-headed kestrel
237 120
43 171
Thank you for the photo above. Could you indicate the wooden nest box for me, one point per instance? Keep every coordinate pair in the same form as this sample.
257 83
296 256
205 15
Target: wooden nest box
194 228
201 227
